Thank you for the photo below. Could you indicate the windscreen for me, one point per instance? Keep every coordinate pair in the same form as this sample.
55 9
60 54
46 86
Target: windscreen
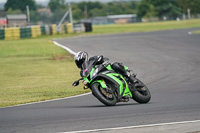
87 67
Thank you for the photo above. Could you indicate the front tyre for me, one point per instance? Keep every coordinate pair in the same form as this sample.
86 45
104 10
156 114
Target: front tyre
107 98
141 94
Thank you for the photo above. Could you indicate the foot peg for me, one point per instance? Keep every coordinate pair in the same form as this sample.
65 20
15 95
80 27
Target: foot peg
125 98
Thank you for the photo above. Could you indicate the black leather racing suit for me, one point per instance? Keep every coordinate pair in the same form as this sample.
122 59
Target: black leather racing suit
118 67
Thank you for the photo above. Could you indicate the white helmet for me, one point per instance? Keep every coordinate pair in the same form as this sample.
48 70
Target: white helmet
80 57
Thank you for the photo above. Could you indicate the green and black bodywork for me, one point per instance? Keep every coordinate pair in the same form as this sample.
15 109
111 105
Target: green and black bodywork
111 87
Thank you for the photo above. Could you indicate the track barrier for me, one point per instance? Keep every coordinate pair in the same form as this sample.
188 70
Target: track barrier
69 28
2 34
16 33
12 33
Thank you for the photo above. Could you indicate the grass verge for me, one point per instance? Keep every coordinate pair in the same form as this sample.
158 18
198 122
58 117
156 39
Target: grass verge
144 27
34 70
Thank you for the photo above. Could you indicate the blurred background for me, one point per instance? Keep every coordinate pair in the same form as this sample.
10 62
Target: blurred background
96 11
32 18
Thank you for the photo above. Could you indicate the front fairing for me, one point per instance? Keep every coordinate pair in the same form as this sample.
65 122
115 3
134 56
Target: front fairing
119 81
92 74
116 81
90 70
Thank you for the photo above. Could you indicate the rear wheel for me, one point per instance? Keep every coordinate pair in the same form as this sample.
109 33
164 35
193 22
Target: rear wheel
104 95
141 94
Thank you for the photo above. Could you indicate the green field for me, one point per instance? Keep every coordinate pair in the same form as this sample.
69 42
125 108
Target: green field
144 27
35 70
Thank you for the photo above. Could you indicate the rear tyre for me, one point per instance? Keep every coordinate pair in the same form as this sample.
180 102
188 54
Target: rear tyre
108 99
141 94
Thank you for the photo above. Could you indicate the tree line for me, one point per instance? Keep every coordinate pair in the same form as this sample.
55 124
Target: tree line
171 9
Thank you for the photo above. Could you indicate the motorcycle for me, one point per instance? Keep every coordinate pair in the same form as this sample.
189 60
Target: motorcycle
110 87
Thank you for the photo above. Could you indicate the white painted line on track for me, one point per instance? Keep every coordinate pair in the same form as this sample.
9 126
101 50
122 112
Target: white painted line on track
70 51
129 127
64 47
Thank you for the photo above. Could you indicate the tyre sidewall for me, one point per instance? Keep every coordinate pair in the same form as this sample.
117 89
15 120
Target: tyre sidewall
100 97
138 97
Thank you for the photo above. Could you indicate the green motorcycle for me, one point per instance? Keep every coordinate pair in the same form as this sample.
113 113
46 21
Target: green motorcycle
110 87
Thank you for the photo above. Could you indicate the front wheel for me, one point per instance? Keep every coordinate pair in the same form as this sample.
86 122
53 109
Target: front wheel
141 94
104 95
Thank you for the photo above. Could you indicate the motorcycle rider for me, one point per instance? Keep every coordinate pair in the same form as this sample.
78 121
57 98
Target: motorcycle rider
81 57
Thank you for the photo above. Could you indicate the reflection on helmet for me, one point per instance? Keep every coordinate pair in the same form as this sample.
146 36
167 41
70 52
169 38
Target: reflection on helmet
80 57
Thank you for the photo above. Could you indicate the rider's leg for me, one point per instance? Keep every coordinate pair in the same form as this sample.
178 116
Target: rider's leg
119 68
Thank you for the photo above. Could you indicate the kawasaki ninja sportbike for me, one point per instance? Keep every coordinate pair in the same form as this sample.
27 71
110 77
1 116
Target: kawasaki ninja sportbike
110 87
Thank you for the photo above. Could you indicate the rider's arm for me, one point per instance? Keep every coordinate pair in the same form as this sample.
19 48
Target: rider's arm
81 73
98 59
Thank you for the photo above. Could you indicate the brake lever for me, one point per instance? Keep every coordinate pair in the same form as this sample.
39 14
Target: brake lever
76 83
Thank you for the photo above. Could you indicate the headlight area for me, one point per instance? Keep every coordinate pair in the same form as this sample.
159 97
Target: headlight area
95 73
85 82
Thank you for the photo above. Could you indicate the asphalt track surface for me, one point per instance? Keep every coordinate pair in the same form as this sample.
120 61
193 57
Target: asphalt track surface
167 61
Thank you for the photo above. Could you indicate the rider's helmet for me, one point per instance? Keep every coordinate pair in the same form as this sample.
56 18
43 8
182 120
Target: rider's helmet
80 57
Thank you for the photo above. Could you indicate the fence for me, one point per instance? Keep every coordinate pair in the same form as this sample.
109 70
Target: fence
37 30
33 31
